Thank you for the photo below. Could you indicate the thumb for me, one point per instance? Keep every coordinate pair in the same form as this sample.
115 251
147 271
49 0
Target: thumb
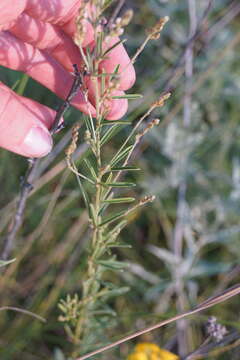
24 124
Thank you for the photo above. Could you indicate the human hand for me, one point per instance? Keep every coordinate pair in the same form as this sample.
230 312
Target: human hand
36 38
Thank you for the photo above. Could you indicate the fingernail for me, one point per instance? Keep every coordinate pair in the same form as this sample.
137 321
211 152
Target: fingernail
37 142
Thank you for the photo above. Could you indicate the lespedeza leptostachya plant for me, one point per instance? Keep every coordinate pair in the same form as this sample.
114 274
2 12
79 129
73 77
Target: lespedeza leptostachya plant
84 315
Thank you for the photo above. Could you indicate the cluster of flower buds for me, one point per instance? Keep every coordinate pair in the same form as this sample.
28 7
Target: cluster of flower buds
73 146
147 199
161 101
215 330
70 308
111 87
81 23
154 32
117 28
153 123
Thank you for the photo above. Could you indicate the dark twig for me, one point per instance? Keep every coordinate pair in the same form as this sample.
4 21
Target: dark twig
205 348
198 32
115 13
26 182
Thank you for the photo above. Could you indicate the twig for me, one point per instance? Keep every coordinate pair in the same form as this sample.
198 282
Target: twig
115 13
26 183
26 312
206 348
233 291
189 43
182 329
234 9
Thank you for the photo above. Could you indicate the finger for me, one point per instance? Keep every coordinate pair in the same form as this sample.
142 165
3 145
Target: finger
118 107
24 124
55 12
9 11
62 14
119 56
70 29
41 67
48 37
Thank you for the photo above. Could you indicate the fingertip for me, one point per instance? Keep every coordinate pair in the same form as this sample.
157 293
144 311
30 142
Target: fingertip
128 77
37 143
118 107
23 125
118 56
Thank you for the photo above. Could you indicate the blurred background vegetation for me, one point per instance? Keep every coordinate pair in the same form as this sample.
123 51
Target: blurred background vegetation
185 246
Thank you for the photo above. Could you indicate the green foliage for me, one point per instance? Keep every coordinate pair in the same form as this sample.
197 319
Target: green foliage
194 173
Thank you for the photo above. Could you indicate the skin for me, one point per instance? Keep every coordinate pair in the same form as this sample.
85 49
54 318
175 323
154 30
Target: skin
36 38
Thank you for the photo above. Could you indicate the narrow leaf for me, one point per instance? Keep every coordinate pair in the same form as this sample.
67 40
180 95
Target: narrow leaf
125 168
115 122
117 292
121 155
119 200
84 193
92 214
109 134
112 264
118 184
6 262
112 218
116 229
90 168
119 245
113 46
128 96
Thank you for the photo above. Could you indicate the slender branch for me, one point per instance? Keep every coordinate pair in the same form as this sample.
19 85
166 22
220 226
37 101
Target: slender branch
26 183
235 290
183 335
198 32
26 312
206 349
115 13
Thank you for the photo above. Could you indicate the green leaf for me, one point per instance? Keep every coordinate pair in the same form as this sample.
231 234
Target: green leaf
113 46
118 157
115 122
112 264
104 74
119 200
116 229
125 168
109 134
119 245
93 214
6 262
112 218
89 124
128 96
118 184
90 168
15 84
84 193
117 292
22 84
106 4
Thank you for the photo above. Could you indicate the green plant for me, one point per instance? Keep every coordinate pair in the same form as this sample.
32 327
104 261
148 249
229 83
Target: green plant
100 178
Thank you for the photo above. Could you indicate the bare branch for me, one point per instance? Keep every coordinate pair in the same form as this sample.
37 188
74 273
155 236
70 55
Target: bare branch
26 182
